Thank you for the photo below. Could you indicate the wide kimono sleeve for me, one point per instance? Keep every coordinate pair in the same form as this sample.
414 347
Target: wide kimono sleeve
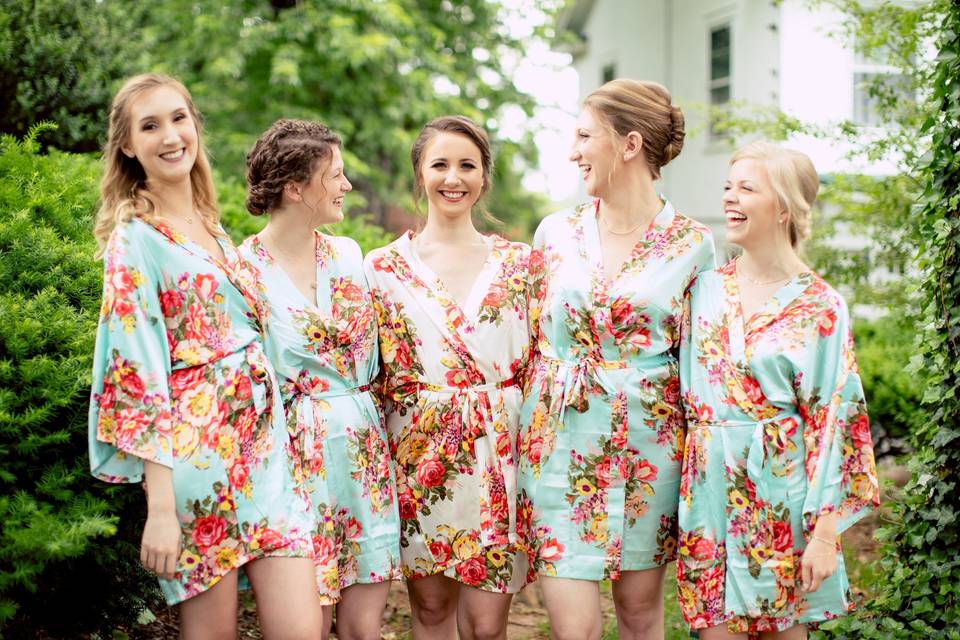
839 462
129 419
536 294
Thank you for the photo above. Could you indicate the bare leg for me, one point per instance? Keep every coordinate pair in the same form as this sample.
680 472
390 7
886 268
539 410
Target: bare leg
287 602
482 615
638 597
211 615
573 607
796 632
360 611
433 603
720 632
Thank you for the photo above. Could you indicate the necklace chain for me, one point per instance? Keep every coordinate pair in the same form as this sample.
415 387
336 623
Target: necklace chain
760 283
629 232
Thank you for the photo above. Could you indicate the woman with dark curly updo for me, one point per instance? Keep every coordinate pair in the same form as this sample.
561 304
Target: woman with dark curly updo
322 340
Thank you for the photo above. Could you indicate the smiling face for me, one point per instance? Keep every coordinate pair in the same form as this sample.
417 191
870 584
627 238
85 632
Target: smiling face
594 152
162 135
752 207
451 173
323 193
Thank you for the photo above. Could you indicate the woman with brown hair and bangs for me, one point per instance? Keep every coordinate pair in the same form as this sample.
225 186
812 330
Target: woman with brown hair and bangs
453 342
183 395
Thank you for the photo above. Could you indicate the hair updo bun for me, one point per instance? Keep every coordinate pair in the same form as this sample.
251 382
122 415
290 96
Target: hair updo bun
286 152
644 107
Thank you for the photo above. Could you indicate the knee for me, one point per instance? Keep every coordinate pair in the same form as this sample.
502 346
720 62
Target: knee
359 633
570 632
486 629
434 609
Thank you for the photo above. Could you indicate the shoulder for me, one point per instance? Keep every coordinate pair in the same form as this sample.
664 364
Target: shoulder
515 250
564 218
711 279
376 259
827 298
687 224
345 248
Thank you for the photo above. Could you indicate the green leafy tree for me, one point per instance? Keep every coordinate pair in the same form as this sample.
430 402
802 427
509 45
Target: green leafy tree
59 61
373 70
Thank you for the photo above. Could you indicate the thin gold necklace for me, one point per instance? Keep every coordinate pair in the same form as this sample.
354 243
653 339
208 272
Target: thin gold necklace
629 232
760 283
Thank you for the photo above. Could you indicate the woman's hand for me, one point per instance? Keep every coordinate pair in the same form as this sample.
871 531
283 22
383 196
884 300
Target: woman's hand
819 560
160 545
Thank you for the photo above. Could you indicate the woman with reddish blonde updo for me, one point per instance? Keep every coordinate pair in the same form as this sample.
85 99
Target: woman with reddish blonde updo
601 427
452 305
778 459
184 396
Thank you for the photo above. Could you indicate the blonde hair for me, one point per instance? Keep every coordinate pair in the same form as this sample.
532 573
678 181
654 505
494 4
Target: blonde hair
793 178
123 188
645 107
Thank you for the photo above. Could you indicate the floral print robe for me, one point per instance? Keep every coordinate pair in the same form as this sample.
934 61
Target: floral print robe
601 426
777 436
451 383
325 353
180 378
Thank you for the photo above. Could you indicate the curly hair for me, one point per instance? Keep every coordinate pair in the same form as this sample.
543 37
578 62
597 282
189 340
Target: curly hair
289 151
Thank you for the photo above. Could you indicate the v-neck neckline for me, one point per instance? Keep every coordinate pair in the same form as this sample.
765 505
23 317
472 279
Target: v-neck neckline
195 247
742 327
318 264
658 224
470 307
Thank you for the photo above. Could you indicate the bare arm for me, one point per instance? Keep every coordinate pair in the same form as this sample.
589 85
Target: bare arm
160 546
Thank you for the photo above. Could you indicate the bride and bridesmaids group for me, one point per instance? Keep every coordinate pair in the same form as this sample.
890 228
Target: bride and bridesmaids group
470 413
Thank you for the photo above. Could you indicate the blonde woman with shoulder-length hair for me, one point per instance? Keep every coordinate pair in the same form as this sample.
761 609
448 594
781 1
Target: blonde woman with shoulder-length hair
778 459
183 395
601 426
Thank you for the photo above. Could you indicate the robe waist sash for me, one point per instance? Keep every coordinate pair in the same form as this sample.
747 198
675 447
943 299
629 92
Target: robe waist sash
474 426
577 378
303 405
769 437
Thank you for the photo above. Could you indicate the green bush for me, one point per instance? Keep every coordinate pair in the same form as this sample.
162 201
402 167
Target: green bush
62 548
884 348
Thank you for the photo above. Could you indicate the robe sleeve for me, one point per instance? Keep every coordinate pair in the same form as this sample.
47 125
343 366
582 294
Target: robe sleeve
129 418
839 463
536 291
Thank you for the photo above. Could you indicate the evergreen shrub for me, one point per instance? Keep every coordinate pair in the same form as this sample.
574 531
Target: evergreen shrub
67 565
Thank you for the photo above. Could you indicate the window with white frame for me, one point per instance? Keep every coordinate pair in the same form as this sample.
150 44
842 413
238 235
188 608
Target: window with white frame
721 50
877 83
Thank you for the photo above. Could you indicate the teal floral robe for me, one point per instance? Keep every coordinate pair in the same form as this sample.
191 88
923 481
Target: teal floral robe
777 436
325 353
180 378
601 426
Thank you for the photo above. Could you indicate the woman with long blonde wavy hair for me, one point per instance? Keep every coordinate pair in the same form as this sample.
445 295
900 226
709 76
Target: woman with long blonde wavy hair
183 396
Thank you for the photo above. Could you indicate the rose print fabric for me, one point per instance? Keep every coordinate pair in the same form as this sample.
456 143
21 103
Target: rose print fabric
601 426
451 385
180 378
324 351
777 436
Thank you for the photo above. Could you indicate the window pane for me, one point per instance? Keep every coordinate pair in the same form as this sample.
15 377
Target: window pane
720 95
720 53
609 72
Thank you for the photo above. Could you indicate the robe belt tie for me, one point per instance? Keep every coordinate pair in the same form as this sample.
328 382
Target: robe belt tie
303 405
759 471
577 378
474 401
